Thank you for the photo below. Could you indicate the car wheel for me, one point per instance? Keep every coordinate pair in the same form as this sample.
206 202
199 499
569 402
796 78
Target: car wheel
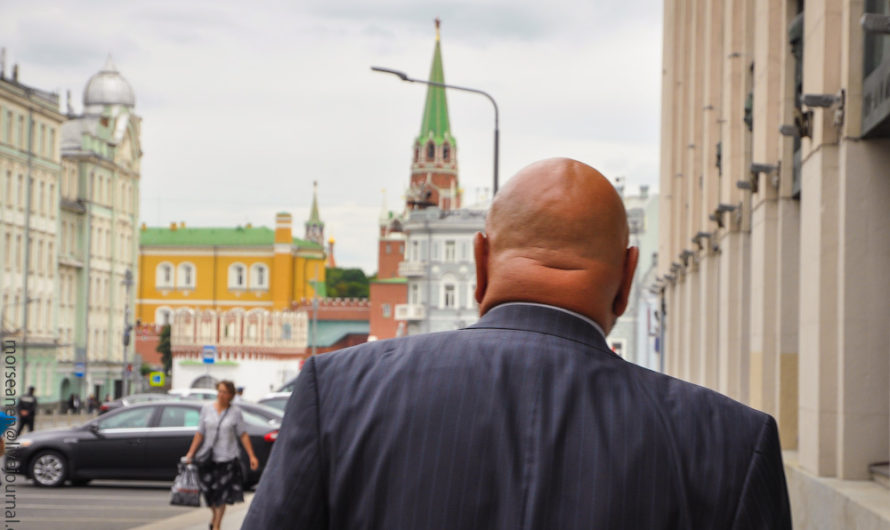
49 469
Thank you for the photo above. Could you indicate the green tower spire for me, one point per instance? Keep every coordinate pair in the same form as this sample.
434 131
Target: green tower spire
315 226
435 123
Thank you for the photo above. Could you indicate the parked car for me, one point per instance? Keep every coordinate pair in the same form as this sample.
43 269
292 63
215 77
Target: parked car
198 394
276 402
132 400
139 442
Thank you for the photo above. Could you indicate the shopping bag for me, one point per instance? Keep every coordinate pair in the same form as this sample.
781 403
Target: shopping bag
185 490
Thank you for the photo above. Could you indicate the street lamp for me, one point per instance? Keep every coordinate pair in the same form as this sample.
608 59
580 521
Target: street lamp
404 77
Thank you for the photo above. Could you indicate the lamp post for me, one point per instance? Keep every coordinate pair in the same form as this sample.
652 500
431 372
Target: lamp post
404 77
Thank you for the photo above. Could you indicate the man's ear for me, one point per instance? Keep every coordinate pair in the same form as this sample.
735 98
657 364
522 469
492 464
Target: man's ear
627 279
480 252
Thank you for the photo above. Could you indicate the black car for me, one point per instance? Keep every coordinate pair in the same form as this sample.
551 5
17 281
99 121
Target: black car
139 442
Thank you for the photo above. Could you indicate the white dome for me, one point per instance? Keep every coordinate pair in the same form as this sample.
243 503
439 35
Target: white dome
108 87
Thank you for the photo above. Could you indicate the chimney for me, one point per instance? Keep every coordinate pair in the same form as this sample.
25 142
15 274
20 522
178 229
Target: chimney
181 224
2 63
144 226
644 191
15 73
173 226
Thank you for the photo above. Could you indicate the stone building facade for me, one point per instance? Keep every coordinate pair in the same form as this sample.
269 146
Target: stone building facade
773 252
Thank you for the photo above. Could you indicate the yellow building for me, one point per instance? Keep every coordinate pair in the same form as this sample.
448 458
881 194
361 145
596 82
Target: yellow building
223 268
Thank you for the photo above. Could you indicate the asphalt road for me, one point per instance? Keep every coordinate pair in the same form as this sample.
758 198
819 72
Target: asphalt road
101 505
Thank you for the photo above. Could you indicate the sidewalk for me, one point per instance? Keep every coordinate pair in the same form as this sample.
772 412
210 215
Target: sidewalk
199 518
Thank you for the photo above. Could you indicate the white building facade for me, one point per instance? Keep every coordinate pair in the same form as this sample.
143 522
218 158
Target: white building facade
440 270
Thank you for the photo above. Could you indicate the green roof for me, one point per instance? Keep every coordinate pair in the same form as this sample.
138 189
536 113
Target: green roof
435 112
391 280
205 237
331 331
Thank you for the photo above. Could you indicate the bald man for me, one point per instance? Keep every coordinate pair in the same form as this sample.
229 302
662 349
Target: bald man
526 419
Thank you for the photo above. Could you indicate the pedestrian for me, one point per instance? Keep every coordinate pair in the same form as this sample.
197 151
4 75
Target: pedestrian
26 410
92 403
525 419
239 394
74 403
220 427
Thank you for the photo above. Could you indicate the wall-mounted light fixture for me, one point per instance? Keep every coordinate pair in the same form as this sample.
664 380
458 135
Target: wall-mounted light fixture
685 255
744 185
875 23
675 266
789 130
825 101
766 169
697 239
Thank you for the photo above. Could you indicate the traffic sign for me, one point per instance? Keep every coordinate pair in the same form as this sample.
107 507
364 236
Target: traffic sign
80 369
156 379
208 354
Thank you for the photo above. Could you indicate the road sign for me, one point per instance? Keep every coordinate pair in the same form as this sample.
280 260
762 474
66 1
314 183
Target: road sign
208 354
80 369
156 379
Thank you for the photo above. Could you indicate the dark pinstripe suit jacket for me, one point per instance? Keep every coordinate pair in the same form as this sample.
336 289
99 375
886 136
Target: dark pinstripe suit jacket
524 420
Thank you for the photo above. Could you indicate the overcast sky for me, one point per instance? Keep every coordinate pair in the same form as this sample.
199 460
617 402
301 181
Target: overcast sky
244 104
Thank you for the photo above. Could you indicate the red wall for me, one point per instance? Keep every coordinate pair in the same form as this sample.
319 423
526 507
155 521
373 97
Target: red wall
386 293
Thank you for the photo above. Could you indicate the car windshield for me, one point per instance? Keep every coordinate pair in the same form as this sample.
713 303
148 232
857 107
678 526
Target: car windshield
255 419
277 403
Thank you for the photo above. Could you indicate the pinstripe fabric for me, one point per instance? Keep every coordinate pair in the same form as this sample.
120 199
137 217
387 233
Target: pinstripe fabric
524 420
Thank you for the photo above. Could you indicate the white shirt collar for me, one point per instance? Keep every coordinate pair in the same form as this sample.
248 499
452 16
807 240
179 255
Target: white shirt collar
564 310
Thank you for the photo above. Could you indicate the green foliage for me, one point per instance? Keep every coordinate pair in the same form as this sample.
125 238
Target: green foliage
346 283
145 369
164 349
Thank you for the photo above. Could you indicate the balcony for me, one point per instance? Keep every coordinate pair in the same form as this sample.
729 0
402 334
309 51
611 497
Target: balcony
412 269
410 312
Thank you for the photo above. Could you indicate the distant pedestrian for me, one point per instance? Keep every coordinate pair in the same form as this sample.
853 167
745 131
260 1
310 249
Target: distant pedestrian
26 410
74 403
92 403
239 395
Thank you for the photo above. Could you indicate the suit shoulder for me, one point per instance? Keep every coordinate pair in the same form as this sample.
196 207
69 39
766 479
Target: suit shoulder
374 352
681 401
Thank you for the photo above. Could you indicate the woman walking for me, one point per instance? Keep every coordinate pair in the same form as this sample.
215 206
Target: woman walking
221 426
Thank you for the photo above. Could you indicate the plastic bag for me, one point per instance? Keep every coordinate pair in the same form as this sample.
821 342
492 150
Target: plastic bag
185 490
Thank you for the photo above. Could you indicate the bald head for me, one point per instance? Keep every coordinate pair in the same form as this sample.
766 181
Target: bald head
557 234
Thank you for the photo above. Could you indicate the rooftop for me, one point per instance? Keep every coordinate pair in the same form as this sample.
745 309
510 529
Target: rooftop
241 236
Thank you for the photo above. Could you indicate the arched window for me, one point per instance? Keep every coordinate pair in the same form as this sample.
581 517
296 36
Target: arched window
163 316
416 154
430 150
446 152
164 275
259 276
237 273
185 276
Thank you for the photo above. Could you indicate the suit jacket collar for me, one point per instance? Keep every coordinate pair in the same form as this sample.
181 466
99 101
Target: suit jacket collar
542 319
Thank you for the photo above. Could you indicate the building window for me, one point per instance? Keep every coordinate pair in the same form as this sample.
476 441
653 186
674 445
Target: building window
446 152
430 150
387 248
236 276
448 300
259 276
387 310
164 276
163 316
186 277
415 251
449 251
414 295
285 332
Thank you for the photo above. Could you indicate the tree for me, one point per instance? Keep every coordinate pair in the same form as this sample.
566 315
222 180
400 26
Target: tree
346 283
164 349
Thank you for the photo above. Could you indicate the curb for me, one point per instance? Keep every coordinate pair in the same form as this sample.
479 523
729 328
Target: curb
199 518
